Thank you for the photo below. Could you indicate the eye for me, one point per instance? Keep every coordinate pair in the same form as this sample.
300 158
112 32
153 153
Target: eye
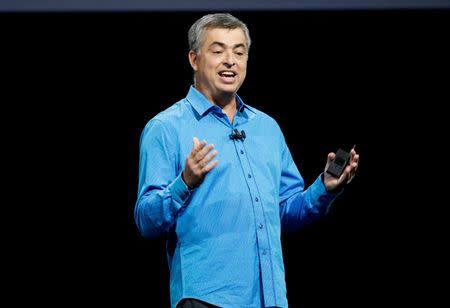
217 52
240 52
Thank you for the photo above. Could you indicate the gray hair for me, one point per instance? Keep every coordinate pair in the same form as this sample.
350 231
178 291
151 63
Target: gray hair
214 21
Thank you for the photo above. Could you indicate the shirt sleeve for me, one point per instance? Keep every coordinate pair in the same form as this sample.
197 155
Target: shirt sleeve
298 206
161 190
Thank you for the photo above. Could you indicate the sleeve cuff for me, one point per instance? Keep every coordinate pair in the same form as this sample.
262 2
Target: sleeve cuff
180 191
320 194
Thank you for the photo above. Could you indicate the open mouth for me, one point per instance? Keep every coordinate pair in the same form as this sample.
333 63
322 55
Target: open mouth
227 76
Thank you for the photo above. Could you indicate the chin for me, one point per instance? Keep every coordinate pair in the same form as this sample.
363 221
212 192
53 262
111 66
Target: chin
228 93
229 89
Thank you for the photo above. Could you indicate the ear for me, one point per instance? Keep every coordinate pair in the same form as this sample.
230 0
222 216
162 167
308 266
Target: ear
193 60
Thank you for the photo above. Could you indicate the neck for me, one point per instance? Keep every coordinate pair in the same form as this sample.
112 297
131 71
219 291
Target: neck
228 105
226 101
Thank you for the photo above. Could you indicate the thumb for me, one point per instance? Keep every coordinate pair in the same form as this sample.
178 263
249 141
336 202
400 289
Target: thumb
330 157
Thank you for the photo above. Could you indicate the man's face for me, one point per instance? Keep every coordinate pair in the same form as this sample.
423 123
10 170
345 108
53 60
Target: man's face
221 65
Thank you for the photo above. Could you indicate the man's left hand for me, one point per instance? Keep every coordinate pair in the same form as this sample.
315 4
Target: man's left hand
332 183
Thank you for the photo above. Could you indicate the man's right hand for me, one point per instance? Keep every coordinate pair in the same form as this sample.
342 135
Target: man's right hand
198 163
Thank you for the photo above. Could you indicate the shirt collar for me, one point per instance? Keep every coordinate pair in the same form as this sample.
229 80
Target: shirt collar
199 102
243 107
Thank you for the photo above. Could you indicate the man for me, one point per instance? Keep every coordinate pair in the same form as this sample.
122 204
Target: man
222 201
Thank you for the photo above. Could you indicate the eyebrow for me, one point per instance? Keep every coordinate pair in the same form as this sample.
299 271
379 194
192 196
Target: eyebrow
224 45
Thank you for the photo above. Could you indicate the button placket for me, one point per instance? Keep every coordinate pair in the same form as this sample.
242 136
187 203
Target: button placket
262 235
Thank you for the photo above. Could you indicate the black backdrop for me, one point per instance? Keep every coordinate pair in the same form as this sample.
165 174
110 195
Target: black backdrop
83 85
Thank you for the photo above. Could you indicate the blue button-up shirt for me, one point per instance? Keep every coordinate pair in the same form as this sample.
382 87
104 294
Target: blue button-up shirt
223 238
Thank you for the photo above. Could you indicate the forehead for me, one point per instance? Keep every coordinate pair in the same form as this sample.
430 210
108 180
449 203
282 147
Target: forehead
228 37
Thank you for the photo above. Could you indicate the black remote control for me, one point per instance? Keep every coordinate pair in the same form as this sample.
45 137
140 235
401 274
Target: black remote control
338 164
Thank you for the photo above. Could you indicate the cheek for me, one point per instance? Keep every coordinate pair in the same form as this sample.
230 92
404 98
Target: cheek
243 70
211 67
243 66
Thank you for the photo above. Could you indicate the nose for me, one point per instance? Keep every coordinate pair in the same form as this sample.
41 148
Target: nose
229 60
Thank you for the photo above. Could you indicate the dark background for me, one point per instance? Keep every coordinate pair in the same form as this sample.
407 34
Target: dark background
80 87
204 5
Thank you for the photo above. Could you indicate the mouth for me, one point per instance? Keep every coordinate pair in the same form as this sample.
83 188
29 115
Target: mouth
227 76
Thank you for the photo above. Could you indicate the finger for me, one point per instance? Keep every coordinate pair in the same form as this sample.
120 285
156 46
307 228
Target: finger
352 173
195 144
208 158
355 163
201 154
198 146
210 166
348 175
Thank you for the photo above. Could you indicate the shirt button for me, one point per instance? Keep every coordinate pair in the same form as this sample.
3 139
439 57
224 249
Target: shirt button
256 199
264 251
242 152
249 175
260 225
